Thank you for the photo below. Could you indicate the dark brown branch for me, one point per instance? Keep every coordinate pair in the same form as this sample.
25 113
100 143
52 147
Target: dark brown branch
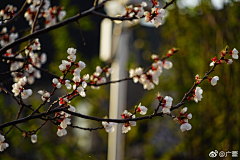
81 33
13 59
45 70
86 129
58 25
113 18
51 94
120 80
40 115
40 126
9 93
168 4
36 16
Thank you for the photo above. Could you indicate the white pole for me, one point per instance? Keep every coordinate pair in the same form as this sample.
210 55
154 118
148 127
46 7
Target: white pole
118 98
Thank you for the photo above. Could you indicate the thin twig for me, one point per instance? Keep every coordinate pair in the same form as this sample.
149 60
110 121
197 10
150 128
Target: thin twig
86 129
81 33
36 16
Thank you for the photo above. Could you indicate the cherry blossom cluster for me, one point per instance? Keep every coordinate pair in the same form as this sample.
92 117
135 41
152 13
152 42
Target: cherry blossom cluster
3 145
33 136
137 11
156 16
98 78
197 93
127 126
166 103
79 66
50 14
126 115
213 80
109 126
35 60
141 109
183 119
233 53
151 77
7 13
45 96
6 37
64 119
19 88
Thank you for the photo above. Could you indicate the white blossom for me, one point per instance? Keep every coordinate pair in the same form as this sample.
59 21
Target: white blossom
185 127
81 65
26 93
212 64
142 109
56 83
99 69
61 132
3 145
109 71
65 122
34 138
229 61
71 57
157 20
68 85
184 110
214 80
45 95
147 16
2 138
71 51
235 53
71 108
81 91
167 104
61 15
85 77
127 126
167 64
189 116
108 126
198 94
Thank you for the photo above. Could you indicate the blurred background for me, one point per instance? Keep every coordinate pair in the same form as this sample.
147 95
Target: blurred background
199 28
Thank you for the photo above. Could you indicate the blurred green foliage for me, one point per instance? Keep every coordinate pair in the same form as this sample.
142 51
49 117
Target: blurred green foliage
216 118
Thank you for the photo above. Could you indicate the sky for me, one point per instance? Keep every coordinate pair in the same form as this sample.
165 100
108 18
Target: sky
217 4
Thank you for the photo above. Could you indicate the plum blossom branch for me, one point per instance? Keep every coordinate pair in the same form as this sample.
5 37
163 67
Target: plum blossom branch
60 24
36 16
15 16
86 129
168 4
192 88
65 22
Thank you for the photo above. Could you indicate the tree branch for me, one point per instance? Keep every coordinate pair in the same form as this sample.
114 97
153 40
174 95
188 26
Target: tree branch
58 25
15 16
36 17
